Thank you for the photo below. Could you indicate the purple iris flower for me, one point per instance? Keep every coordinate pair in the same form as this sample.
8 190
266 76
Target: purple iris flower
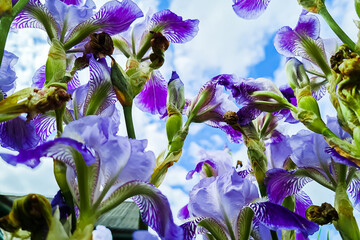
288 41
110 178
314 159
250 9
95 97
72 21
214 103
152 97
16 133
227 195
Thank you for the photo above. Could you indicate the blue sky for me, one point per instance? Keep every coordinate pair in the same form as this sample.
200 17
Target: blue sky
224 44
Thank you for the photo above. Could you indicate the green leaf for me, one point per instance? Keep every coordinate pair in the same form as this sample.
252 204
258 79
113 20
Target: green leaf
57 230
214 228
244 223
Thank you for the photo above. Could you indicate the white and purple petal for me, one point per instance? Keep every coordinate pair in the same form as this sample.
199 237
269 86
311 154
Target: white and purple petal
277 217
250 9
18 134
59 148
45 125
354 190
173 27
152 97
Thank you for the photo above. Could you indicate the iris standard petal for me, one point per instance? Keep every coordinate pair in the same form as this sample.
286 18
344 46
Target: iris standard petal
250 9
152 97
18 134
173 27
7 72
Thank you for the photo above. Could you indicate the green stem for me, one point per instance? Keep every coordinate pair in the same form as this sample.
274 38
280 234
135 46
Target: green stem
59 120
129 121
83 185
145 46
337 30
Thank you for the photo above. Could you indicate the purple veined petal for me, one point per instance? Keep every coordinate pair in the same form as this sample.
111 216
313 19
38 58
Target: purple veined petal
247 113
354 191
302 202
38 79
99 85
308 25
154 207
45 125
74 83
7 72
152 97
285 40
277 217
32 16
233 135
173 27
338 158
319 92
250 9
59 148
184 213
190 228
281 183
17 134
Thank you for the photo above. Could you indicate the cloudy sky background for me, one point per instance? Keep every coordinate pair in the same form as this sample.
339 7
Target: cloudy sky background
225 44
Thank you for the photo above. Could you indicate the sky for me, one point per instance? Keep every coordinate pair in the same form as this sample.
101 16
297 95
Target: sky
225 44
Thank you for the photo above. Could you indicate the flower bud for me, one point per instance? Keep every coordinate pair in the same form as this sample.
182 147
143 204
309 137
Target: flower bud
175 103
121 84
56 63
5 8
313 6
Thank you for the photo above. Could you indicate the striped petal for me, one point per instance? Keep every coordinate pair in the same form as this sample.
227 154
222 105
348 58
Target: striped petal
173 27
152 97
277 217
250 9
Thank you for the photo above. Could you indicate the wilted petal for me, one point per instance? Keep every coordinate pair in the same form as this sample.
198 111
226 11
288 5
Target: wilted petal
18 134
247 113
173 27
277 217
338 158
281 183
152 97
250 9
60 149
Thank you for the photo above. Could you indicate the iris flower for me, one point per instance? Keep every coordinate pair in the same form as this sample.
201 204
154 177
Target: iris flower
100 180
94 98
72 21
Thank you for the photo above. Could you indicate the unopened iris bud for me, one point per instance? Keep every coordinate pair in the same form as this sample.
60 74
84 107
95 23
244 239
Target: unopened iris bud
56 63
175 103
100 45
296 74
313 6
5 7
32 213
121 84
322 215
